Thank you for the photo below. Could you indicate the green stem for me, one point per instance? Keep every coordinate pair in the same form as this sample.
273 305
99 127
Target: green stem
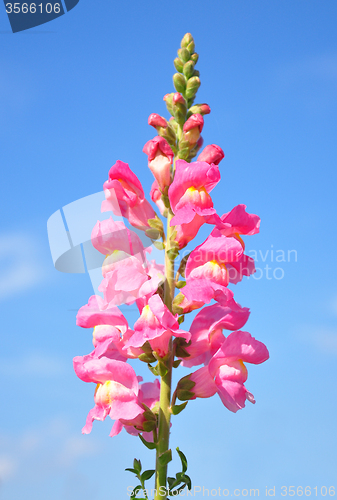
166 381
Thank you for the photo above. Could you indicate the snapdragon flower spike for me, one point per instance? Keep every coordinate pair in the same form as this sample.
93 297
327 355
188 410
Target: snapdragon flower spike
160 157
156 325
206 331
190 199
226 373
149 394
116 394
124 185
211 154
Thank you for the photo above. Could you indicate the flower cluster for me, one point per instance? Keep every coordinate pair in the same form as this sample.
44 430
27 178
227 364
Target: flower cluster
164 294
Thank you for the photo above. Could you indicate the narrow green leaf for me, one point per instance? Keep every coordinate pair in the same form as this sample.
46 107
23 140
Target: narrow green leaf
153 369
183 459
162 369
170 481
176 363
159 245
150 446
132 470
165 458
176 409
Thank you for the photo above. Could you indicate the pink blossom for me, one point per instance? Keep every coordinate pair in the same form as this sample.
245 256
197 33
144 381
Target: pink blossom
190 199
206 331
126 279
149 395
211 154
124 185
97 312
226 372
220 260
160 156
116 394
109 236
156 325
238 221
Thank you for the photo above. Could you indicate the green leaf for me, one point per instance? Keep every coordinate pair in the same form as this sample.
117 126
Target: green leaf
185 395
176 409
176 363
162 369
159 245
147 475
170 481
165 458
180 284
135 491
149 426
176 492
150 446
183 459
153 369
137 465
147 358
132 470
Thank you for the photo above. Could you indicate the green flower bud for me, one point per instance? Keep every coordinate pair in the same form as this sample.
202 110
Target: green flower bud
192 86
195 57
187 39
188 69
180 113
179 82
168 98
184 55
191 47
178 64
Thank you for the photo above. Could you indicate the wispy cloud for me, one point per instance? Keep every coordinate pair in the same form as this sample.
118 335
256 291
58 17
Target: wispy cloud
19 264
323 339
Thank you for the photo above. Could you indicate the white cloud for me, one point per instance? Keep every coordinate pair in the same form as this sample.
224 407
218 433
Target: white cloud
322 338
7 468
19 265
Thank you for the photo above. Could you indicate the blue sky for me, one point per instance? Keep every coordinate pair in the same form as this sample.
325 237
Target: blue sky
75 97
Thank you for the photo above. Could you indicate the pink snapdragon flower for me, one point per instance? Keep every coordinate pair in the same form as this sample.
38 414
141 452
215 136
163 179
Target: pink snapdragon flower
117 389
109 236
211 154
156 325
212 265
226 372
97 312
124 185
160 157
149 394
126 279
206 331
190 199
156 121
237 222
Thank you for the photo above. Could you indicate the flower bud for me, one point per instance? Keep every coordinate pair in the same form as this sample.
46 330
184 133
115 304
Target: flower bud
191 47
187 39
174 124
188 69
211 154
201 109
195 120
184 55
157 121
168 100
178 64
192 86
179 82
178 98
195 57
